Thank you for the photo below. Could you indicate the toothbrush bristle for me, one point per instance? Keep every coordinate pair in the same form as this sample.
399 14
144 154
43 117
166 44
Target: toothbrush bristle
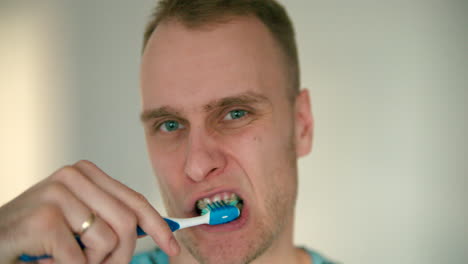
221 212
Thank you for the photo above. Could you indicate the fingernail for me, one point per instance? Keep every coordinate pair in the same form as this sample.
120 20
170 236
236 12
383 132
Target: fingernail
174 246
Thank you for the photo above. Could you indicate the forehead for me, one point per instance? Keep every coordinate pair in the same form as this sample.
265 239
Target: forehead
189 67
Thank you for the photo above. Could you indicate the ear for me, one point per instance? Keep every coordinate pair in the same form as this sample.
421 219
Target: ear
304 123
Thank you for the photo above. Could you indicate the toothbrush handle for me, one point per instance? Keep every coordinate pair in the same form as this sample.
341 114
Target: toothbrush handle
173 225
140 232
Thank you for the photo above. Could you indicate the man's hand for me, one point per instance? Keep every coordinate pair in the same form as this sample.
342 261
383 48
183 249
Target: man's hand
44 219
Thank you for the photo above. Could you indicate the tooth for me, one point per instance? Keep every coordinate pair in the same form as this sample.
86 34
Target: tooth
234 197
200 203
228 198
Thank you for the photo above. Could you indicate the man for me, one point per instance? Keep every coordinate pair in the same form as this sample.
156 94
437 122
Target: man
223 116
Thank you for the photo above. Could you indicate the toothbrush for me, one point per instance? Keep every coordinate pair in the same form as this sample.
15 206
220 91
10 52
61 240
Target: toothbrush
217 213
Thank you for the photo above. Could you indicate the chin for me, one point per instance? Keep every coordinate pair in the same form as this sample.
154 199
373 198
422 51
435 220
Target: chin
242 245
230 251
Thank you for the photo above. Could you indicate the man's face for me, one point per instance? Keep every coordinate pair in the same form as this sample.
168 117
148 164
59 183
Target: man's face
218 121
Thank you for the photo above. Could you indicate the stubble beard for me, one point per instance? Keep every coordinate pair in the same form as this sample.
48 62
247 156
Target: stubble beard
280 204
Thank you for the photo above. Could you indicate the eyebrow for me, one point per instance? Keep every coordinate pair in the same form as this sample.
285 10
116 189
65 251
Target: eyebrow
160 112
241 99
247 98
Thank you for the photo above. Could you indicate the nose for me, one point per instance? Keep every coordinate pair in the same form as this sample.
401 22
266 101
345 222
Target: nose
204 157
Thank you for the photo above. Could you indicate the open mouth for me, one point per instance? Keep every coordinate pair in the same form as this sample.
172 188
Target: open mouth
201 205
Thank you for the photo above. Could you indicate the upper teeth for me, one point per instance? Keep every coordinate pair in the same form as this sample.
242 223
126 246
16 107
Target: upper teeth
226 197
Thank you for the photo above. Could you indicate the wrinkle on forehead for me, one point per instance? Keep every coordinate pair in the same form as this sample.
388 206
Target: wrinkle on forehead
188 69
247 98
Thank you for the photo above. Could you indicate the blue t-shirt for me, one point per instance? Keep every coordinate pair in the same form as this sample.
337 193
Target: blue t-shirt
157 256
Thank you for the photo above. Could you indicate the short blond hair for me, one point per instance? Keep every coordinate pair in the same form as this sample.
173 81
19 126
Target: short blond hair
198 13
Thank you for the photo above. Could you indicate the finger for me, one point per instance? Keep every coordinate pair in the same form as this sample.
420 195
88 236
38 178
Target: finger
100 239
121 219
43 261
148 218
64 247
48 225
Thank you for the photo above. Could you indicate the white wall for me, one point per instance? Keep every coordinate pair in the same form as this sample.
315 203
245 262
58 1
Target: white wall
387 179
34 95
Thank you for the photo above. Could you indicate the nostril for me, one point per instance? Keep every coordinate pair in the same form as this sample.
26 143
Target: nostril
212 170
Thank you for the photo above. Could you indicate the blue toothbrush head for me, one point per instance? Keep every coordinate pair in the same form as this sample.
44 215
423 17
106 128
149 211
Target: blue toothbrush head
221 213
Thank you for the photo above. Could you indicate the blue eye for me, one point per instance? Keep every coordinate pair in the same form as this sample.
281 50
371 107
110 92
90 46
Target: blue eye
235 114
170 126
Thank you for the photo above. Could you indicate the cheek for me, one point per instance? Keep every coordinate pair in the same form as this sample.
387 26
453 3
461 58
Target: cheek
167 169
256 151
245 146
266 154
164 157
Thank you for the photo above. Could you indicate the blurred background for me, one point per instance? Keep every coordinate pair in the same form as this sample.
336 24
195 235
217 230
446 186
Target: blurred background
387 179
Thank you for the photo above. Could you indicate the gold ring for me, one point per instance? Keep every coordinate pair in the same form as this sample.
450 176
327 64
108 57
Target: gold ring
87 224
